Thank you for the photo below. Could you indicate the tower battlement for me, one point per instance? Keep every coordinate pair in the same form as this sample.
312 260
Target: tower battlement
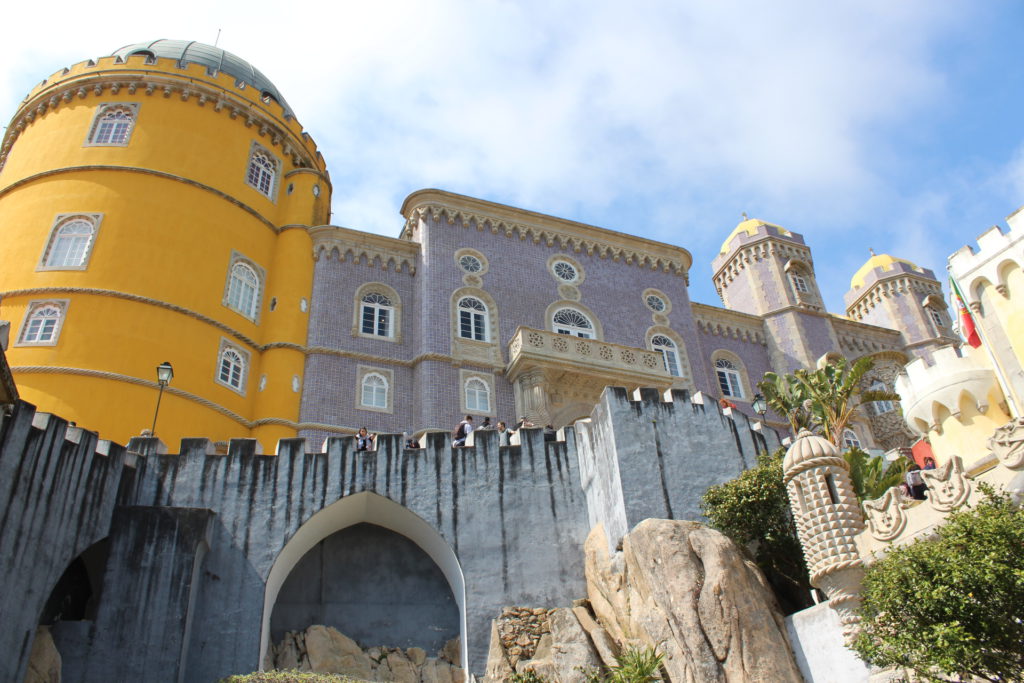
952 376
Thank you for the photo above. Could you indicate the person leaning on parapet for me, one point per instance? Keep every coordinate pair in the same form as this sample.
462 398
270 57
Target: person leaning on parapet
916 483
364 440
503 433
523 422
549 433
460 433
486 424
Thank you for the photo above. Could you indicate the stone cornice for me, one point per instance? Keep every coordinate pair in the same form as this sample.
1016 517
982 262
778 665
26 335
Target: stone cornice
760 250
857 338
721 322
905 283
108 77
345 244
499 218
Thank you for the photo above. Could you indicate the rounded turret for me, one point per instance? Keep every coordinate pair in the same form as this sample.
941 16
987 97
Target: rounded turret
828 519
157 204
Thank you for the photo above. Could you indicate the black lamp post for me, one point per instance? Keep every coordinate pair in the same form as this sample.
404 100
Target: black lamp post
164 374
760 405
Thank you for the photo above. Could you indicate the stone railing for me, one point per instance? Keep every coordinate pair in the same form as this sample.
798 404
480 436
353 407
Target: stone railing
529 346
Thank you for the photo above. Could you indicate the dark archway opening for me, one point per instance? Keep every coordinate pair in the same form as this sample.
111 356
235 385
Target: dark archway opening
373 585
76 595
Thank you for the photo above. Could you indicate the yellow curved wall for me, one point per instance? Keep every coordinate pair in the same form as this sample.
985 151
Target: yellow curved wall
175 207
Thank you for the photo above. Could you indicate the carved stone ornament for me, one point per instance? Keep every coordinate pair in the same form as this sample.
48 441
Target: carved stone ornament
886 518
948 488
1007 443
569 292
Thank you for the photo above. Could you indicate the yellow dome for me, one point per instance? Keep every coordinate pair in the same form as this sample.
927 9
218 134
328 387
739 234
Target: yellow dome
749 226
883 261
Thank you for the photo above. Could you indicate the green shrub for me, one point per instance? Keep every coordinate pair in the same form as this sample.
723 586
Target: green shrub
279 676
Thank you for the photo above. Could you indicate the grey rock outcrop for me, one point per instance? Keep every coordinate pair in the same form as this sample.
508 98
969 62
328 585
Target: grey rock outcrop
551 643
687 590
326 650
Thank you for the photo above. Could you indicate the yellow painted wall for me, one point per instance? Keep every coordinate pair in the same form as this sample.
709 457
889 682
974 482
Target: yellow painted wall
967 435
174 210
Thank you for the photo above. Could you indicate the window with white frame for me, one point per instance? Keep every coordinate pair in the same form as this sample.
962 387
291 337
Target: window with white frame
232 368
42 324
879 407
374 391
728 378
376 314
669 354
473 319
850 439
478 395
262 173
244 285
572 322
113 124
799 283
70 242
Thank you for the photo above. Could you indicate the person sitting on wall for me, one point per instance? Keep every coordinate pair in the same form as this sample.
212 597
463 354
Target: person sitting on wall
916 483
549 433
726 403
503 434
486 424
364 440
929 463
460 433
523 422
412 443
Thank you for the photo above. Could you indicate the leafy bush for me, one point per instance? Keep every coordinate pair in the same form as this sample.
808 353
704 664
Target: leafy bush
632 665
952 606
753 511
870 476
280 676
527 677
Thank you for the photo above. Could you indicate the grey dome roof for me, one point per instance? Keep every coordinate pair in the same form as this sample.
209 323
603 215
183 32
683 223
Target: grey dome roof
186 51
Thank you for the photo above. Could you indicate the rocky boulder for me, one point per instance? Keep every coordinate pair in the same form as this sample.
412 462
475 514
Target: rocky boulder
689 591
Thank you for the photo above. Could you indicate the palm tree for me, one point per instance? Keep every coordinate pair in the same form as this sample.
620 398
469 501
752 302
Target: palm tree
826 398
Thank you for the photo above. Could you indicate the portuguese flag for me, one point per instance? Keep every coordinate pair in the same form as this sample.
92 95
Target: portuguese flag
967 329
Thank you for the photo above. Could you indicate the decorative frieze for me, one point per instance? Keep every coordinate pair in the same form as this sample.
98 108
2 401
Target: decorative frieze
721 322
361 247
889 288
759 251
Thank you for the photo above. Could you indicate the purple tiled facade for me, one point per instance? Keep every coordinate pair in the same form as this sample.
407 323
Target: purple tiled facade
767 324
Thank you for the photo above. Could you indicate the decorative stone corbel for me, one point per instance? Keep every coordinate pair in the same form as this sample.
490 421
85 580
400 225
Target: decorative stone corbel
885 515
948 488
1007 443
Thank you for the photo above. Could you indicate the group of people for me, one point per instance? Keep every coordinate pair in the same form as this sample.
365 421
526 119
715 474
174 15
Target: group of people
463 429
913 486
366 441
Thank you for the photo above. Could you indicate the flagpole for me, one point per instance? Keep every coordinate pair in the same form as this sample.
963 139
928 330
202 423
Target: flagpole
1003 384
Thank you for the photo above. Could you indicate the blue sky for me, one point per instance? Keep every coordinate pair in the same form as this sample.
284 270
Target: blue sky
857 124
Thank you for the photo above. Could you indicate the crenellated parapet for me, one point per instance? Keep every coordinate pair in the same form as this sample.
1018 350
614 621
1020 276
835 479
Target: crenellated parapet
996 256
952 377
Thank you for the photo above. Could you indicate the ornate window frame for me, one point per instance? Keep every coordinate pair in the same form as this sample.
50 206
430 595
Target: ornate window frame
554 307
581 275
94 127
800 279
62 220
738 367
682 358
651 292
388 375
471 350
877 408
275 179
467 376
484 263
936 311
855 441
261 279
246 365
395 333
34 308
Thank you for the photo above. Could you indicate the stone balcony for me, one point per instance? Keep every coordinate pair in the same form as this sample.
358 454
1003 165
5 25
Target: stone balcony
558 378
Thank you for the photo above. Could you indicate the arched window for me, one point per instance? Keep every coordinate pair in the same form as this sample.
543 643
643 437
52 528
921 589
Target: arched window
473 319
42 324
572 322
243 289
231 368
376 314
262 171
879 407
850 439
728 378
112 125
669 354
374 391
70 244
478 396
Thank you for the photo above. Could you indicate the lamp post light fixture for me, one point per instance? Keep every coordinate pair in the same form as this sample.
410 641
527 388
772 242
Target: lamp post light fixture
164 374
760 405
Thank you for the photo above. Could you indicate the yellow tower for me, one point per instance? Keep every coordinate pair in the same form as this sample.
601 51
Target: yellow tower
155 206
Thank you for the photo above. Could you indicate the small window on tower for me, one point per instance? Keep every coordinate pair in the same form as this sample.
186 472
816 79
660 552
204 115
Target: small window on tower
263 171
112 126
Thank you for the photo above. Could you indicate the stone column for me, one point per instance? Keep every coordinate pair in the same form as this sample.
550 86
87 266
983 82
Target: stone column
532 398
